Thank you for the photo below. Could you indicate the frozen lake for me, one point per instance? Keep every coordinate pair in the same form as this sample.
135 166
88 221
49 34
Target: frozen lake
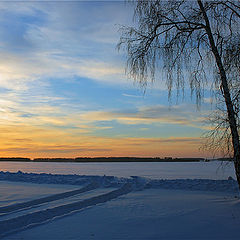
29 210
165 170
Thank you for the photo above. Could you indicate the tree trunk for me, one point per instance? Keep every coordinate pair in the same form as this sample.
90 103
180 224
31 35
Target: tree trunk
226 94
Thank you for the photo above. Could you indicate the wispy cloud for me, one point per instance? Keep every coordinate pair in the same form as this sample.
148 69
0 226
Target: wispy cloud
131 96
181 115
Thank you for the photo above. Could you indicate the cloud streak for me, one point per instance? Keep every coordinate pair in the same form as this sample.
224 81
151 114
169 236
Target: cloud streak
180 115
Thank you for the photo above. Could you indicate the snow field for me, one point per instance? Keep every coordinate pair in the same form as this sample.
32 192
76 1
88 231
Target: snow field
151 214
116 207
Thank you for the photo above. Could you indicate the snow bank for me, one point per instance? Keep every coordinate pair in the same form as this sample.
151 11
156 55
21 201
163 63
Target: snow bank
139 183
196 184
71 179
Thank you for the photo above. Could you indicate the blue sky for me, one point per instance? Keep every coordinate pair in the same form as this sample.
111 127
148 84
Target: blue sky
64 91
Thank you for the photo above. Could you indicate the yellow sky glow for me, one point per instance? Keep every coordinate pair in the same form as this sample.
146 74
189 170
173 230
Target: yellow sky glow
33 142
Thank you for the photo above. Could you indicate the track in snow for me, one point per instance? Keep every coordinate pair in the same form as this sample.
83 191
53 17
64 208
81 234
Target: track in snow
38 217
20 206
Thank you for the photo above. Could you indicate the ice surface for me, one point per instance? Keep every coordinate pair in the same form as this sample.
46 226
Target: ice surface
153 170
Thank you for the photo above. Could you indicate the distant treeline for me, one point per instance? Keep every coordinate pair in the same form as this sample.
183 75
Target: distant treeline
105 159
109 159
15 159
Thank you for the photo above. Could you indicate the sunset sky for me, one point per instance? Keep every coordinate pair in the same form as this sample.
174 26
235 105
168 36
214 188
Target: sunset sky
64 92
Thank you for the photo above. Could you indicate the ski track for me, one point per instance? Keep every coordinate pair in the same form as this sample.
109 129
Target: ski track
22 222
20 206
71 199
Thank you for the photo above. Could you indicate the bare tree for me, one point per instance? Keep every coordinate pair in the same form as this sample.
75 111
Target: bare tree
218 138
190 41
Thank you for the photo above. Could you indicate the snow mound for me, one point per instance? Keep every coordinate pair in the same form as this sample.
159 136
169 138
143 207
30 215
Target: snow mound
196 184
139 183
73 179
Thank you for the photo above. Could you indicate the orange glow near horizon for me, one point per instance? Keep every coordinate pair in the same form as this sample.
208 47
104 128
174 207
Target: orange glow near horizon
34 142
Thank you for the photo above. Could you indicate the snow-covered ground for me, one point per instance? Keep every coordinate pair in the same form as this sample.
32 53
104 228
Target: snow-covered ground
70 206
150 215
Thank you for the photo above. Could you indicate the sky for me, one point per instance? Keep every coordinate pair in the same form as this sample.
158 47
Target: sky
64 91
